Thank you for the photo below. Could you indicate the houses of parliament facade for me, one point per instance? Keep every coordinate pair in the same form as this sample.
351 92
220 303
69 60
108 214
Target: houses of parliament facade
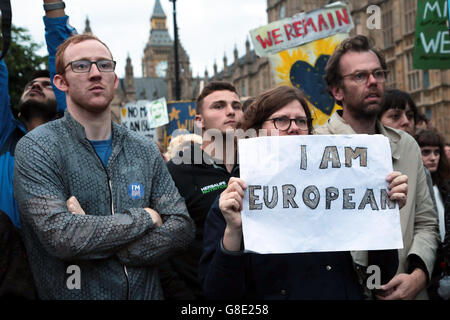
252 75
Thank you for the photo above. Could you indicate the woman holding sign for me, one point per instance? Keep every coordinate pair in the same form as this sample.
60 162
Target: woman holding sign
226 272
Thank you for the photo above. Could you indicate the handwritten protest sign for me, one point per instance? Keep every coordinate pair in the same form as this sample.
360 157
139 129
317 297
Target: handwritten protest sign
432 36
181 118
318 193
304 68
144 116
301 28
298 49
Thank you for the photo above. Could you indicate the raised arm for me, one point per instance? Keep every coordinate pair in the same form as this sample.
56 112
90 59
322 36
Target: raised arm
7 124
57 29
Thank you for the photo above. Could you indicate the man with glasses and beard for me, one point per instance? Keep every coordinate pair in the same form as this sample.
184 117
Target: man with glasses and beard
37 106
356 74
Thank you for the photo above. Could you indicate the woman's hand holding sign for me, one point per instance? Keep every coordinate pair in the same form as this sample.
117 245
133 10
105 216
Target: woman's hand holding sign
230 203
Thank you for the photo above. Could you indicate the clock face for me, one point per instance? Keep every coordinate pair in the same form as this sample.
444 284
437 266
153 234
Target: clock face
161 69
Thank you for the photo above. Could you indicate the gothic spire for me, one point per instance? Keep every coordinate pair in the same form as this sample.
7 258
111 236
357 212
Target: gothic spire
158 11
87 28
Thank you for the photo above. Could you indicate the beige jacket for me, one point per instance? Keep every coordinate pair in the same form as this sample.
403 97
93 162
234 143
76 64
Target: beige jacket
418 217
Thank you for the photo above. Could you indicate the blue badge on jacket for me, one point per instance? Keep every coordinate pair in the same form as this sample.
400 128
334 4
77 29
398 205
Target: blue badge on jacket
136 191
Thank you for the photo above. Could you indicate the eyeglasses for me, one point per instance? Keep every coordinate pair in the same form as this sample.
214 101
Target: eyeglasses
284 123
84 66
363 76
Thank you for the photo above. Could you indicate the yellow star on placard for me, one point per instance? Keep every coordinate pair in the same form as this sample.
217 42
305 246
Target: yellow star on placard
174 114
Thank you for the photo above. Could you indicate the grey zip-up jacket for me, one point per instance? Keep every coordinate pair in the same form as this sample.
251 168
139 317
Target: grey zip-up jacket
113 251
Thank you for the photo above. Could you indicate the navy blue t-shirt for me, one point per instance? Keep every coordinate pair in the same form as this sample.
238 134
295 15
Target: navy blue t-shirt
103 149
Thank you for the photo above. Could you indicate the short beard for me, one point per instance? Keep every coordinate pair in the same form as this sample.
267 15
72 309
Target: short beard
366 112
30 109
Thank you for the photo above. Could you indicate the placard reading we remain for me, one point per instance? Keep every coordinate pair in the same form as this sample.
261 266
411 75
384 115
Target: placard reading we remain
318 193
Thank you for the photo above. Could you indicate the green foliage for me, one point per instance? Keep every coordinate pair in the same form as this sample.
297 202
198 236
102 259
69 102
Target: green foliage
22 62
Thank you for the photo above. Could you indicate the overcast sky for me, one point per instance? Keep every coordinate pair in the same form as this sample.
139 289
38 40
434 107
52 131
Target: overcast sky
208 29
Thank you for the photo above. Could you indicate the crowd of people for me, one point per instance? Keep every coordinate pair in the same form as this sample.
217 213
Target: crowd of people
78 190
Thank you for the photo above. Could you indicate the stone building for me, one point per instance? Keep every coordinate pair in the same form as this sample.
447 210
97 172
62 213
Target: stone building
430 89
250 74
158 75
279 9
159 60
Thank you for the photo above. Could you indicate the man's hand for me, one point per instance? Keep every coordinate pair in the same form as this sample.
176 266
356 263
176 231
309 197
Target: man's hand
398 187
157 221
404 286
74 206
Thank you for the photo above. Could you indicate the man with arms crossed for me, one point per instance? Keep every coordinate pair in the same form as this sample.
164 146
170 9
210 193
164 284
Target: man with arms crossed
125 214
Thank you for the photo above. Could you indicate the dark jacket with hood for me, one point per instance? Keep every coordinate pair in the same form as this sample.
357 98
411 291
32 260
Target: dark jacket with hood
200 179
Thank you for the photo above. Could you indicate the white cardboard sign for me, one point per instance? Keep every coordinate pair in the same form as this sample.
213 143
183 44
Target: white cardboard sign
145 116
318 193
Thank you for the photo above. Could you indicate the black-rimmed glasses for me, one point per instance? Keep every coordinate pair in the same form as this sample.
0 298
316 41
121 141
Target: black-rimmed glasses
363 76
83 66
284 123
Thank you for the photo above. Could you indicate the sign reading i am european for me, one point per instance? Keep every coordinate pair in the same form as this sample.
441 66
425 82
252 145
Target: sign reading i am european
318 193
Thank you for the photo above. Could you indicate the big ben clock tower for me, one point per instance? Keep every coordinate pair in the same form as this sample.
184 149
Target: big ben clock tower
159 45
158 60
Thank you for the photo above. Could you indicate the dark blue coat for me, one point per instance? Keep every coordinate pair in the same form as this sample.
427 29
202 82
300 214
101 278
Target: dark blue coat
11 130
313 276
